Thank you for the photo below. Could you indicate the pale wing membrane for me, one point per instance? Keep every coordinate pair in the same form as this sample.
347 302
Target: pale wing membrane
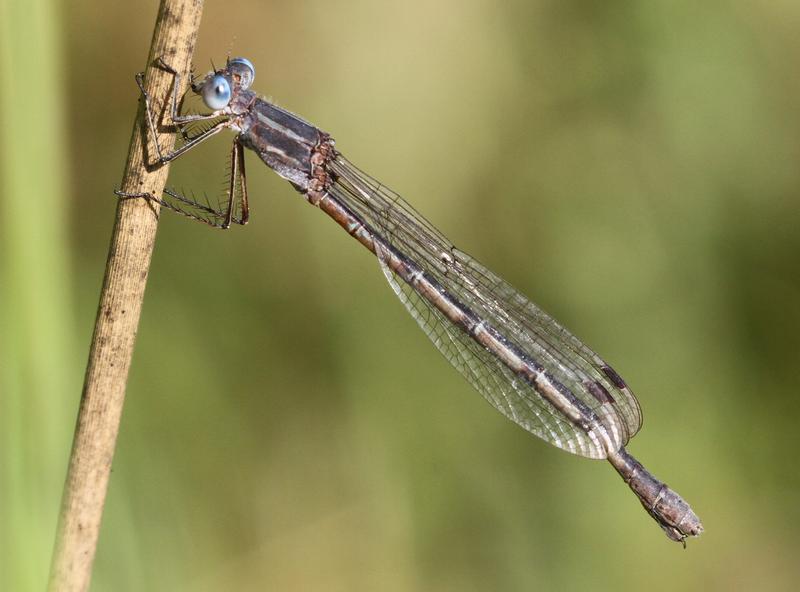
536 329
531 330
509 394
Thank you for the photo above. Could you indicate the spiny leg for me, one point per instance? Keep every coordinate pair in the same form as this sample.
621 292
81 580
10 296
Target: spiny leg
205 213
237 178
193 210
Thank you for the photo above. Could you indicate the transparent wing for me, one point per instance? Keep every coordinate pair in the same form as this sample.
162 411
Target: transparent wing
520 321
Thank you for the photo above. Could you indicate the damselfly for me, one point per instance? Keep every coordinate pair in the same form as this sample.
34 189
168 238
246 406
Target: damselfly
520 359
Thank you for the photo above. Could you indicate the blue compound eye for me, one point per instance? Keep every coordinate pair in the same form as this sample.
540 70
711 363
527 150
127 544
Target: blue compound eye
217 92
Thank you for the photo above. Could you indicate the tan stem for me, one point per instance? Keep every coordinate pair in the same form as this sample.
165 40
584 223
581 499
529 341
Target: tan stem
117 320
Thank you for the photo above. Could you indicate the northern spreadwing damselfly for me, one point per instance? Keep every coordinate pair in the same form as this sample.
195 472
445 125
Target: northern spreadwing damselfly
519 358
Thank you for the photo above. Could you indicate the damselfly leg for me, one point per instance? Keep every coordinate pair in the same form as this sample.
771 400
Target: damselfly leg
234 207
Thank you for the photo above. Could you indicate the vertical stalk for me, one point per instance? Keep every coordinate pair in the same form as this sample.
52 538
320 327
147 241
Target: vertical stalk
118 313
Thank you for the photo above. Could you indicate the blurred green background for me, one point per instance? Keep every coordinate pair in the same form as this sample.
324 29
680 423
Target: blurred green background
632 166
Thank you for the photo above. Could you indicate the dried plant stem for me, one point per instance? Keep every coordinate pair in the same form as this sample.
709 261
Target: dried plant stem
118 316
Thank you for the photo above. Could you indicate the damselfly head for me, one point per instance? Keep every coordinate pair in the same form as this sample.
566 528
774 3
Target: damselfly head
219 86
